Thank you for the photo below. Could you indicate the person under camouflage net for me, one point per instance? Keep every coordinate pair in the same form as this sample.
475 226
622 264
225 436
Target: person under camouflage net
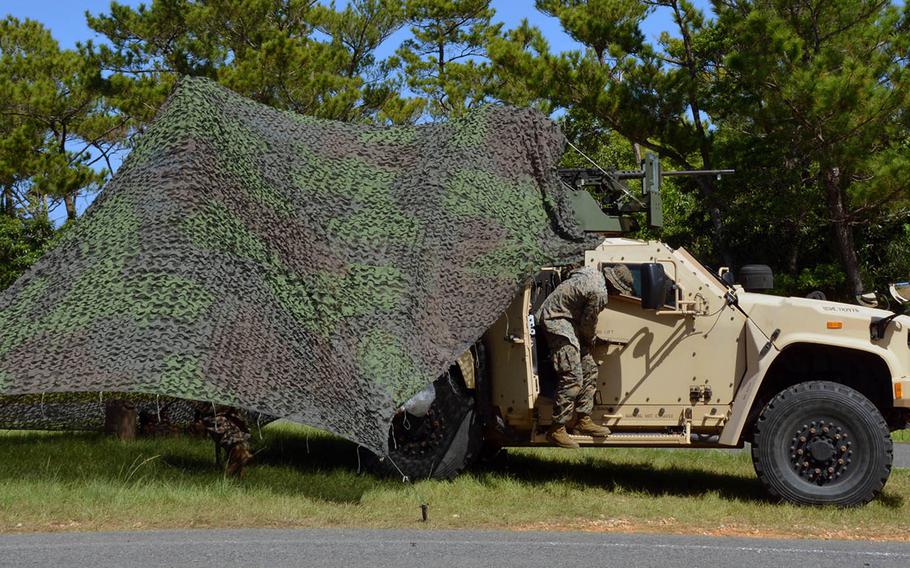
568 318
230 433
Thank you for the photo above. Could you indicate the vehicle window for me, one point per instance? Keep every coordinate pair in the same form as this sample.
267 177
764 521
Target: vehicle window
635 269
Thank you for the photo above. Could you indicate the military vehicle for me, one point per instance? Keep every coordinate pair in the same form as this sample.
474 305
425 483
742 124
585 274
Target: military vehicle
694 359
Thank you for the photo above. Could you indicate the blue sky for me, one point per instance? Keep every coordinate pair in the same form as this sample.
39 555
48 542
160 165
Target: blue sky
66 20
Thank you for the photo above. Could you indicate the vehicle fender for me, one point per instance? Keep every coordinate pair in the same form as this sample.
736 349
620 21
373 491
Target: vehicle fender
758 365
887 355
760 353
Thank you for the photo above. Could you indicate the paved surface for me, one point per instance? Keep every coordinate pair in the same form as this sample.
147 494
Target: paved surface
901 455
430 549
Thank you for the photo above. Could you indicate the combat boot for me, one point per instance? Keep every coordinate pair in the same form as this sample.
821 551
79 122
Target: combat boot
584 426
560 436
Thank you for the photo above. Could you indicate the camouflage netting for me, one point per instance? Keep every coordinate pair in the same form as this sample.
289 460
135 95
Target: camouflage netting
302 268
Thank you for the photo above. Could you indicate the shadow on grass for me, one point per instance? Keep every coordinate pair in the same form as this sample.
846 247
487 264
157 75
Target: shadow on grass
326 453
320 466
627 477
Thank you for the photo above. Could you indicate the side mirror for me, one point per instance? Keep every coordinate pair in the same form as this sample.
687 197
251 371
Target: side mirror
654 286
900 291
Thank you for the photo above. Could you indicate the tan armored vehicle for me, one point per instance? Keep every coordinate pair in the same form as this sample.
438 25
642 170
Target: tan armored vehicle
691 360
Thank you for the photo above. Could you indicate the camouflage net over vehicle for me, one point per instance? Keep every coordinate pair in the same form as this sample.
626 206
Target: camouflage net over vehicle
308 269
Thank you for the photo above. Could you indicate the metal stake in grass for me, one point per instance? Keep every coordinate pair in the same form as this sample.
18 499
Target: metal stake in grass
424 507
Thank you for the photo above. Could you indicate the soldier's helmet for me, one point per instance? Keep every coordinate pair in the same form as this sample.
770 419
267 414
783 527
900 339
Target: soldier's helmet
620 278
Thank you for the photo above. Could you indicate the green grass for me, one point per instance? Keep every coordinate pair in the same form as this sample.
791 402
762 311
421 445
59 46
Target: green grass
902 436
303 478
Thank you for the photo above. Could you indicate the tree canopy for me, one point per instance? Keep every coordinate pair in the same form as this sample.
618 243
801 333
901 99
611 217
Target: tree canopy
806 100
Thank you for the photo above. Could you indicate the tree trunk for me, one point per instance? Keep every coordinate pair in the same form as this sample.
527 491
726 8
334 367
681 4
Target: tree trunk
120 419
718 233
832 183
793 260
69 201
7 203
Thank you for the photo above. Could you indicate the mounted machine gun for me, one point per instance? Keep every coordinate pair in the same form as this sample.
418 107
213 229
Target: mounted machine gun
612 213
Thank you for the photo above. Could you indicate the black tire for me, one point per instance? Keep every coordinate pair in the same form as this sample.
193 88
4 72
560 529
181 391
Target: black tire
822 443
441 444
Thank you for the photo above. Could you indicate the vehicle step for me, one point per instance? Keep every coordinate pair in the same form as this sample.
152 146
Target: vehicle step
626 439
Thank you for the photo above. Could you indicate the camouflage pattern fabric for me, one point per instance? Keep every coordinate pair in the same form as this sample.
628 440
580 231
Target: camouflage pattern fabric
227 430
306 269
572 309
569 319
86 410
577 372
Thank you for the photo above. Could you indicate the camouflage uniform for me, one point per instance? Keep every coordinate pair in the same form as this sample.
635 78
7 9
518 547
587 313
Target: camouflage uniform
230 433
568 317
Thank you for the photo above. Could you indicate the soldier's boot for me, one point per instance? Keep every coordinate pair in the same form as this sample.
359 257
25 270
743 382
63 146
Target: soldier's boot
584 426
560 436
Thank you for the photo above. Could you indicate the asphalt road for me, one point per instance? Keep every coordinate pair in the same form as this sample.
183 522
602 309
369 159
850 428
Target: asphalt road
901 455
430 549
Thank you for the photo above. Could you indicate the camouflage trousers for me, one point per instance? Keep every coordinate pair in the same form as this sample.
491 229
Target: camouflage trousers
577 373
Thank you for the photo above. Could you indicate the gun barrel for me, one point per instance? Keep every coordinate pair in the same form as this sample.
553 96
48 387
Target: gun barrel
698 172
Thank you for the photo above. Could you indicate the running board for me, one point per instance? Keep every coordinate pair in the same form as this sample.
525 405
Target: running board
681 438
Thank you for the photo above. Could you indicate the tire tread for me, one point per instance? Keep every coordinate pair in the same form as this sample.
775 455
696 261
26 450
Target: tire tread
864 405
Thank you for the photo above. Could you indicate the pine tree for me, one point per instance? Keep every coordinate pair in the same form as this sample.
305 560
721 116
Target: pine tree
827 85
290 54
445 62
54 127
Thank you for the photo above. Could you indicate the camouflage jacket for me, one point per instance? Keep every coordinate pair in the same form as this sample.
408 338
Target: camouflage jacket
572 309
227 430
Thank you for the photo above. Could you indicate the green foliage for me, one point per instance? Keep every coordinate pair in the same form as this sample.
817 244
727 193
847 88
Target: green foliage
22 242
53 130
444 62
821 93
50 117
807 102
290 54
652 94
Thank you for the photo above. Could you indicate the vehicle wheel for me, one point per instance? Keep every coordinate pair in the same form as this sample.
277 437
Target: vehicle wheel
441 444
822 443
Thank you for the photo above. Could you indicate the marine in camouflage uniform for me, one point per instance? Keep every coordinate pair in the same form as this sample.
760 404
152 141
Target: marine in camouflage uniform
568 318
230 433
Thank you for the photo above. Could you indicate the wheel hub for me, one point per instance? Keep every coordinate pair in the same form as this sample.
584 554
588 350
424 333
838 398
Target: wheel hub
821 451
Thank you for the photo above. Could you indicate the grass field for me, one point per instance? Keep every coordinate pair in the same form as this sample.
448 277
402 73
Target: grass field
52 481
